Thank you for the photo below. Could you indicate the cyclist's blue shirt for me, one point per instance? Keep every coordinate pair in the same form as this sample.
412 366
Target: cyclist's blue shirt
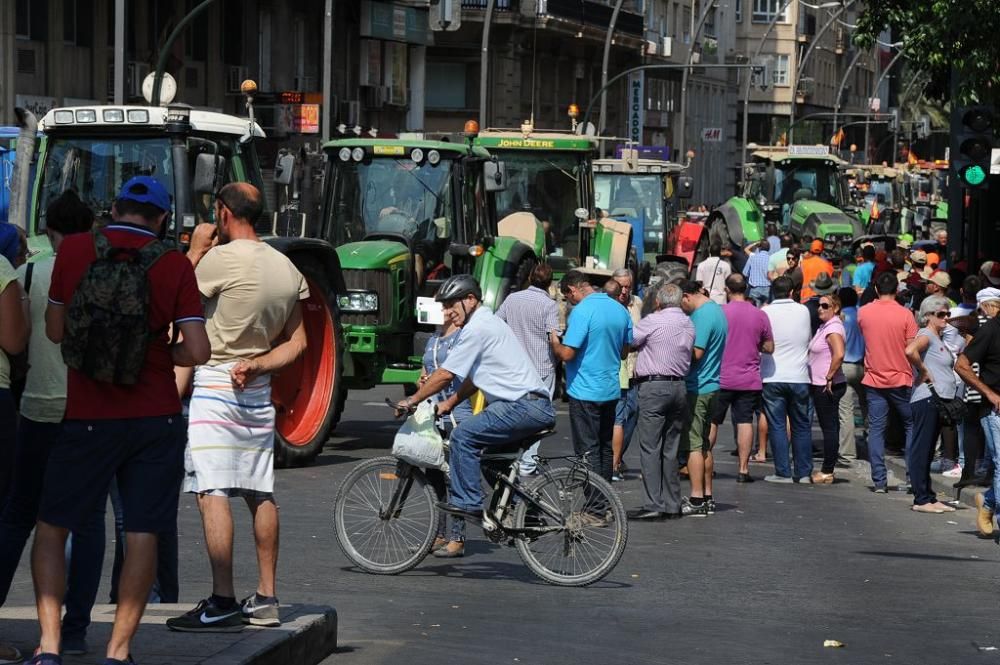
598 328
488 352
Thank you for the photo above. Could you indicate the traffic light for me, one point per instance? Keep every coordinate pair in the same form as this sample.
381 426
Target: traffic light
974 141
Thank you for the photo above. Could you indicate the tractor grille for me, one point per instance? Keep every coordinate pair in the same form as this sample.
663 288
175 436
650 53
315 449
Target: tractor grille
379 281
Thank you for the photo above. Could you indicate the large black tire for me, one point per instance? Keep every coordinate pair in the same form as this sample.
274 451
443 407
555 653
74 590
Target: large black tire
522 275
309 396
375 542
583 552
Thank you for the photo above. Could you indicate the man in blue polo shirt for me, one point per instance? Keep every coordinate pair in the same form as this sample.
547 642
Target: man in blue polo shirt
488 357
597 332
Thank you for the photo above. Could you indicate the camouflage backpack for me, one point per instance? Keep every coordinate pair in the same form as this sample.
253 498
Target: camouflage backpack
107 322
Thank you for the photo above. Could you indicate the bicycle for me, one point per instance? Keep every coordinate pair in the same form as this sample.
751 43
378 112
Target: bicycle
567 524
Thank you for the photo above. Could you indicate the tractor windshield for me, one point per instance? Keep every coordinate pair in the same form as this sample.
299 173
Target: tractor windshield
881 192
97 168
804 180
391 196
549 185
628 196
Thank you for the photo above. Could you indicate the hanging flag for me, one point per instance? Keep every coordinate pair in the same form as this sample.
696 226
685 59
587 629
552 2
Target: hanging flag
783 139
838 137
911 158
875 210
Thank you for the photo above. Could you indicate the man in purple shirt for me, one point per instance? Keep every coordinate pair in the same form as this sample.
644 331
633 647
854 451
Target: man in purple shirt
665 340
749 335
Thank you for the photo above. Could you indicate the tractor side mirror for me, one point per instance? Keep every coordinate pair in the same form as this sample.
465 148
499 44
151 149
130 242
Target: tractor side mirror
209 173
284 168
685 187
494 176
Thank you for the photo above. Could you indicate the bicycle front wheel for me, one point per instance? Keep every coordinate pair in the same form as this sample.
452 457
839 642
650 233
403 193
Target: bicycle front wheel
385 516
594 533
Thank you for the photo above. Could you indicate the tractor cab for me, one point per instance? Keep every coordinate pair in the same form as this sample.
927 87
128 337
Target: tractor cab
645 193
878 193
549 176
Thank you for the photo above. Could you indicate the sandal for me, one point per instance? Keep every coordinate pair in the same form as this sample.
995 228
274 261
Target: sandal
926 508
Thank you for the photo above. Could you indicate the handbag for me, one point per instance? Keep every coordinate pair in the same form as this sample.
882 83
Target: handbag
418 441
950 411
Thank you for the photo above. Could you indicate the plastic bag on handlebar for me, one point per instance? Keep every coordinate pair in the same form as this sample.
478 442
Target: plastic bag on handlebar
418 441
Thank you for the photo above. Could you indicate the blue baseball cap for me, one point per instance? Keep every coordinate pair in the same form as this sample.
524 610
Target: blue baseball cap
144 189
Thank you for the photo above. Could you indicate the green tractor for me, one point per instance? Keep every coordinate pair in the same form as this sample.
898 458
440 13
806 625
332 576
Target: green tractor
549 177
94 149
879 192
403 215
801 189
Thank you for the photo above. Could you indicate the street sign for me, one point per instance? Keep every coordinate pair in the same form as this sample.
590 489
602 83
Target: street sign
711 134
809 150
636 105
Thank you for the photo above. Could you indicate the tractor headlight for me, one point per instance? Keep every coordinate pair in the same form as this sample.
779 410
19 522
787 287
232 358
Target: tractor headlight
358 301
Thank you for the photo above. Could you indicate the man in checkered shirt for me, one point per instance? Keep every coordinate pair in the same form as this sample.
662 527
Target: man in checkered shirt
532 314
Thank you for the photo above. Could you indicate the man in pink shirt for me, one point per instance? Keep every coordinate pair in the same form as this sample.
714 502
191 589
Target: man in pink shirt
887 328
749 335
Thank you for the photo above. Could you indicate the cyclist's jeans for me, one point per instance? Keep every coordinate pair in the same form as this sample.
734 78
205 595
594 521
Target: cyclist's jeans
498 424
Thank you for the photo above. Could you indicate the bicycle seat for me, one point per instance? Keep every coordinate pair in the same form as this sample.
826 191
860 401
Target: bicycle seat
511 451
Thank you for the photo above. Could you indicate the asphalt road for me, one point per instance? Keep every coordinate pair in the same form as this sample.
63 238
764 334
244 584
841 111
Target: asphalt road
775 572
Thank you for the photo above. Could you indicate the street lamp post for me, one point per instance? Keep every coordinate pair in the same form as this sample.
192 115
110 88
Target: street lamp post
602 123
484 63
709 5
875 88
805 57
840 89
617 77
756 55
161 63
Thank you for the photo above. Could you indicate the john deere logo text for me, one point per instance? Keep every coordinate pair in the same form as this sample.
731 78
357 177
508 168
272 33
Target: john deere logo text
526 143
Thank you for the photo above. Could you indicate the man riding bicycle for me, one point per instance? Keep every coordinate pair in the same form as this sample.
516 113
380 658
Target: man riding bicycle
488 357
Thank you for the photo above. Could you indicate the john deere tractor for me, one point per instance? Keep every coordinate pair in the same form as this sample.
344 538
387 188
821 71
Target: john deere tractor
801 189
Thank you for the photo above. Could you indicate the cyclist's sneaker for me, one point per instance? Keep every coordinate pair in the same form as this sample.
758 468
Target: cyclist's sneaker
260 613
689 509
206 617
710 503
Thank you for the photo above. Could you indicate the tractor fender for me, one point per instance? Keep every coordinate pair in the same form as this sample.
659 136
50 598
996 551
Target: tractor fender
320 250
734 224
498 268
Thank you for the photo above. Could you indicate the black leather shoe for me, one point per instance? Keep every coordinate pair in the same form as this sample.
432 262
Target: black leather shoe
744 478
461 512
643 515
672 516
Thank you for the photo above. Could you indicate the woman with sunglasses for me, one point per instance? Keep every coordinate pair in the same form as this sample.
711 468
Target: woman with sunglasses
934 364
826 357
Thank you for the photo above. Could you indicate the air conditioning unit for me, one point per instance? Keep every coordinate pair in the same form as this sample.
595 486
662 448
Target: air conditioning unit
134 76
235 75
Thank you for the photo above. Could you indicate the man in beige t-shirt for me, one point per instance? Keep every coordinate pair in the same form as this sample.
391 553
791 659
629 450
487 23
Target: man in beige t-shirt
253 318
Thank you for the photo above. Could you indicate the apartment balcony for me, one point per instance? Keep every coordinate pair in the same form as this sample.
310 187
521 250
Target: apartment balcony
581 18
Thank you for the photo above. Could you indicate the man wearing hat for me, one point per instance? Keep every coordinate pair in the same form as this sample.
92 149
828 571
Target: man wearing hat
131 432
984 349
990 272
938 283
823 285
812 265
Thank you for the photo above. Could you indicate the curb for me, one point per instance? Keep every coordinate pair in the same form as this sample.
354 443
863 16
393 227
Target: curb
940 484
307 640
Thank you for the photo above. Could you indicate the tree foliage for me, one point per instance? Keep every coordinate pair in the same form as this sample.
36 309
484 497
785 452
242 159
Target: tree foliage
938 35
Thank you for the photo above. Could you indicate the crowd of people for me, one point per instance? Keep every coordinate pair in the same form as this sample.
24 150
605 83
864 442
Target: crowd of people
94 408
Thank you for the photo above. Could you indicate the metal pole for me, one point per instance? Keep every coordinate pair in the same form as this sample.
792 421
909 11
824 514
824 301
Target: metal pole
484 62
327 69
756 55
709 5
617 77
805 57
602 123
161 62
119 51
840 90
878 82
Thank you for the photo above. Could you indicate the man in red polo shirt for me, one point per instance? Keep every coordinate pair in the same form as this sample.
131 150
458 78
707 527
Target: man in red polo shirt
132 432
888 328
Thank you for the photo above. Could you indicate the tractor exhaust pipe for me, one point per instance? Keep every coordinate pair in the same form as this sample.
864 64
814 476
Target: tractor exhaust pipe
20 189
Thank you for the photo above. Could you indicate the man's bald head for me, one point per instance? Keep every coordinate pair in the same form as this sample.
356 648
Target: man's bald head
243 200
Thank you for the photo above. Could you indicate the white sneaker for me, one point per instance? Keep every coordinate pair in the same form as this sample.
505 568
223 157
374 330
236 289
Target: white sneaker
953 472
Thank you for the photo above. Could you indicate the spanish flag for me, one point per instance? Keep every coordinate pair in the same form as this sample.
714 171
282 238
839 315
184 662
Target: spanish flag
875 211
911 158
838 137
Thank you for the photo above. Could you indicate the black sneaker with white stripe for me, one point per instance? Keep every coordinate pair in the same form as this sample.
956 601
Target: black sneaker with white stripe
207 617
257 613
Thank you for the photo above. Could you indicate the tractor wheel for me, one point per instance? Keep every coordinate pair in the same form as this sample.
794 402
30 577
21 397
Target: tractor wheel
522 275
718 233
308 396
672 272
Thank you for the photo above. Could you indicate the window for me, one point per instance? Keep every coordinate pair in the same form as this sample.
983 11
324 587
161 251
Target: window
764 10
779 75
739 11
22 20
196 36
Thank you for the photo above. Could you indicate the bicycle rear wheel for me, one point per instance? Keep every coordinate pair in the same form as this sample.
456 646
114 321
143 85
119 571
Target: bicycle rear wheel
374 539
595 532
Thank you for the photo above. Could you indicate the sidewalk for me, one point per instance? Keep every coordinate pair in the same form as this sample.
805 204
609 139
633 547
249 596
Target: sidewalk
943 486
308 634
